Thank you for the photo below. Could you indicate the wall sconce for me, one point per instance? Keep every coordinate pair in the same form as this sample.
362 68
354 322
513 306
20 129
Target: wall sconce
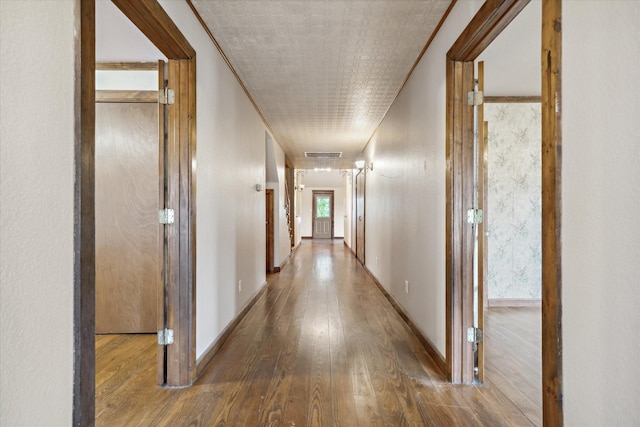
362 165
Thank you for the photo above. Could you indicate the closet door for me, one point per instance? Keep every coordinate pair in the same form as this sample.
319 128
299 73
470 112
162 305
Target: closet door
127 229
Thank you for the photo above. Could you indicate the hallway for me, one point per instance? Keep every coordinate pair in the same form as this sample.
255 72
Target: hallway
322 346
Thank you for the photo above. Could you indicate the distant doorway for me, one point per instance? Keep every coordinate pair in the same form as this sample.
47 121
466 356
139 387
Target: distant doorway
269 230
323 214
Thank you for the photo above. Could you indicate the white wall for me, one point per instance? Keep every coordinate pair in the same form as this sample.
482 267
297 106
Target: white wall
36 212
230 162
600 201
276 181
348 208
405 194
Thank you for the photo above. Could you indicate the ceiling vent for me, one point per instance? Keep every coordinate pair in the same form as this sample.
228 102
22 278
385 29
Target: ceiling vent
323 154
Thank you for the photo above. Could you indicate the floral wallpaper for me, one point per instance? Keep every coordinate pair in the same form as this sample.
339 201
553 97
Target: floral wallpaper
513 208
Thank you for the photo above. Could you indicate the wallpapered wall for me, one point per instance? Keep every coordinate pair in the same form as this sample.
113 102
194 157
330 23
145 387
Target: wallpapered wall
514 201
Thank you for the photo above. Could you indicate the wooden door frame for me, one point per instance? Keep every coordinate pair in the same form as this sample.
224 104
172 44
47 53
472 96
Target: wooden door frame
153 21
361 176
147 96
270 235
313 210
489 21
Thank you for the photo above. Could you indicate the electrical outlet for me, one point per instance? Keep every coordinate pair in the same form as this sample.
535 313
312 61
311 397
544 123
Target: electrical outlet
377 261
239 286
406 286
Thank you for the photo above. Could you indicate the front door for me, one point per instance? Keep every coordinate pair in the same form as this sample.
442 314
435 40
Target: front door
323 214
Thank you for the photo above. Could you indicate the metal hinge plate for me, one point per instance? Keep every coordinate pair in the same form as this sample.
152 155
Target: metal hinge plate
475 98
165 336
166 216
474 335
474 216
167 96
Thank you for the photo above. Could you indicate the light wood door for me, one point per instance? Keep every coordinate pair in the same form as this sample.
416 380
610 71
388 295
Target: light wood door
360 218
323 214
126 217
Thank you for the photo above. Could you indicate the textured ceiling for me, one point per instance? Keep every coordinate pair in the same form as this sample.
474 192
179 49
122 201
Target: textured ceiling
322 72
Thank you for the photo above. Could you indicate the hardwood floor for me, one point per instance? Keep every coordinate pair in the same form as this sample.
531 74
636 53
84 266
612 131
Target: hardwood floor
513 360
321 347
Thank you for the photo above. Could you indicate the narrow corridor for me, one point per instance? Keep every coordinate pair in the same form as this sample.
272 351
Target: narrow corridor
321 347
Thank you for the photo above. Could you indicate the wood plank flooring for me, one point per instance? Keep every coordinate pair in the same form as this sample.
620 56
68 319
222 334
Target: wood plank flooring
513 360
321 347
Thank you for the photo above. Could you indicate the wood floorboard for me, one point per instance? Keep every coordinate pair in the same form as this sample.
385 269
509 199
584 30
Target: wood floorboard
513 363
321 347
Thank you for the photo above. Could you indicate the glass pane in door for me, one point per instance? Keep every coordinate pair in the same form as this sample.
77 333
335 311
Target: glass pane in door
323 206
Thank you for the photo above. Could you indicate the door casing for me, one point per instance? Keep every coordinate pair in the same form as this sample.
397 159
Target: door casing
269 230
153 21
360 215
315 193
489 21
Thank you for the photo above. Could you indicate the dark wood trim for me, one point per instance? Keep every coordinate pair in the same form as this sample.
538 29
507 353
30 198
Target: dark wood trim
481 227
84 310
512 99
181 243
226 60
127 66
149 16
130 96
360 179
212 350
490 20
270 230
552 410
162 235
513 302
157 26
459 241
487 24
306 237
426 342
492 17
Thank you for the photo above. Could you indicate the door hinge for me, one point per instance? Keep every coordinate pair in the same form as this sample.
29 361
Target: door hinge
474 216
165 336
475 97
166 216
167 96
474 335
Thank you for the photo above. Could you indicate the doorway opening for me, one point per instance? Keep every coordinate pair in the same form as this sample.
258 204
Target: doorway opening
490 20
178 359
269 204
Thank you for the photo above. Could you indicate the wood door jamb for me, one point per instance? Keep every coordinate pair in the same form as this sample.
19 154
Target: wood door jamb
153 21
492 17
